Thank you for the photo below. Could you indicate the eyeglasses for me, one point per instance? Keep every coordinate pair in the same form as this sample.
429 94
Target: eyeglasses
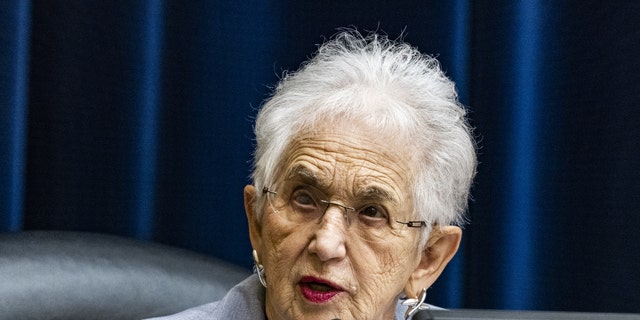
304 204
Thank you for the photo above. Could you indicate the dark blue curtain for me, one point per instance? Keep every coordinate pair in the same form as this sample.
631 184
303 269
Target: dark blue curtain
134 118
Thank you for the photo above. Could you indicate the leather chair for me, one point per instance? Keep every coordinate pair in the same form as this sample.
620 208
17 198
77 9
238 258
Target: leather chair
72 275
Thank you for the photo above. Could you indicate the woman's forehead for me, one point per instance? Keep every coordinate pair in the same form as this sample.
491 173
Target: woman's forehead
353 140
346 159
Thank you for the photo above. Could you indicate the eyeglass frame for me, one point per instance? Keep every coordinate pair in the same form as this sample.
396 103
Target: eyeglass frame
410 223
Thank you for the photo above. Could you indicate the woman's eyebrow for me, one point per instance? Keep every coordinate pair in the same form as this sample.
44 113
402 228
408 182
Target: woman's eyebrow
369 193
303 173
376 193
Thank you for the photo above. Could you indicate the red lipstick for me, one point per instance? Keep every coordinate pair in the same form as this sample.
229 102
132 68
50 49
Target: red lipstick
318 290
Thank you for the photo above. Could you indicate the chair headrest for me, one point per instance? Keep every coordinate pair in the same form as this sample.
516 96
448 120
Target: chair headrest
73 275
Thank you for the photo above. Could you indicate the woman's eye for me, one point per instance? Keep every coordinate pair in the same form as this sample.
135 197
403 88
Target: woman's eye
303 198
373 212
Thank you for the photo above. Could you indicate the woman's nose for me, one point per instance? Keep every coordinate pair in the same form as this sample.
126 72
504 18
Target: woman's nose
328 242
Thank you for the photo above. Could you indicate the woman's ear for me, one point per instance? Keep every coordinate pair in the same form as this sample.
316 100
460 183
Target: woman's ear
441 247
255 230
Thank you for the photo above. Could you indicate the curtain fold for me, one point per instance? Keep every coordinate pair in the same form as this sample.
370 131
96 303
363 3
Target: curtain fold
14 29
134 118
519 290
146 150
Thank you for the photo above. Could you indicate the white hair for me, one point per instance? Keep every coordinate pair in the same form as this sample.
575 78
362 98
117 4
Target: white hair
387 84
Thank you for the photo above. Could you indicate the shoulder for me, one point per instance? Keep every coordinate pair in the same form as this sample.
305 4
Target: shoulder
244 301
204 312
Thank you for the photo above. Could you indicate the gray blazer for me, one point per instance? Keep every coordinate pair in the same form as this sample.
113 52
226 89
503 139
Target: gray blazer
244 301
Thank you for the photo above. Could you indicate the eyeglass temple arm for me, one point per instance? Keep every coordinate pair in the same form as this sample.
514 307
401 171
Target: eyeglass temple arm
414 223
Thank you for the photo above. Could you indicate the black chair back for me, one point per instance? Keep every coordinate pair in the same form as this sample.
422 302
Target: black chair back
72 275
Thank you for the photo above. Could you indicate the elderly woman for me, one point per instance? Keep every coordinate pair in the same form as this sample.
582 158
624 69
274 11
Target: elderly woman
362 172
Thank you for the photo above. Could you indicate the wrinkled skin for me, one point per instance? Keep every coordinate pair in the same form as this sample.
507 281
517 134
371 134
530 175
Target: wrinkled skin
371 275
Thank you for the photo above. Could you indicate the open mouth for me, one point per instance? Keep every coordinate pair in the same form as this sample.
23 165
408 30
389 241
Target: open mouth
319 287
318 290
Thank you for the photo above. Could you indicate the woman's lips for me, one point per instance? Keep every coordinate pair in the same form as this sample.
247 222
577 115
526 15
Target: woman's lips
318 290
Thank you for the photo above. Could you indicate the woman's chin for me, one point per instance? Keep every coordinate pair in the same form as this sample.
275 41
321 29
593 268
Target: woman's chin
312 305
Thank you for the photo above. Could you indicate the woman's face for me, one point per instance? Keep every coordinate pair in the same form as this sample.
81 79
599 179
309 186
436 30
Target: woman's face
326 269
